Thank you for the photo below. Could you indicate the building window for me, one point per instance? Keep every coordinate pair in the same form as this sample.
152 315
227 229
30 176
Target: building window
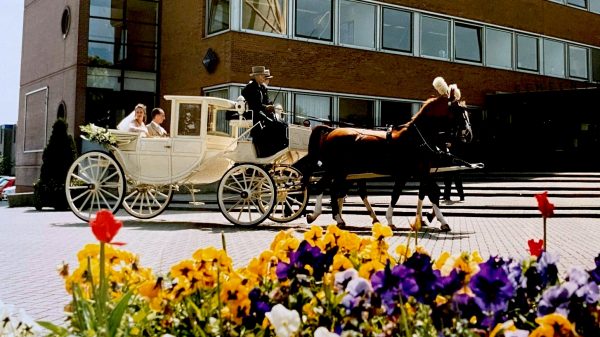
312 107
527 53
434 37
357 24
467 43
62 111
498 48
554 58
65 22
596 65
395 113
265 15
578 3
314 19
397 30
218 15
578 62
356 112
595 6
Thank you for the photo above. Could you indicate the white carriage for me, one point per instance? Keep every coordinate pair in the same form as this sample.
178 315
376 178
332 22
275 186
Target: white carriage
142 173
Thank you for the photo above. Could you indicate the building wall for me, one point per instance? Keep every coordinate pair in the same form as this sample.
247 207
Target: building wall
48 60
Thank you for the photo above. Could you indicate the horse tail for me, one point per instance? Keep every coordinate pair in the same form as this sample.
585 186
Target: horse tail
314 150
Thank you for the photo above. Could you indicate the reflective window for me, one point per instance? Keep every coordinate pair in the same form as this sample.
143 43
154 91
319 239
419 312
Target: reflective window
397 30
596 65
357 24
527 53
467 43
218 15
498 48
314 18
315 108
578 62
142 11
595 6
356 112
578 3
189 119
265 16
395 113
104 54
107 8
434 37
554 58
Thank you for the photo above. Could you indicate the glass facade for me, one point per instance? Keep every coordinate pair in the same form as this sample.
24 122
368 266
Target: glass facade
498 51
435 37
314 19
397 30
554 58
122 58
265 15
357 24
527 53
467 45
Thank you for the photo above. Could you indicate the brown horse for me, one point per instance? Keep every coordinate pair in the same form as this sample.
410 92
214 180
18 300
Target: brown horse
404 151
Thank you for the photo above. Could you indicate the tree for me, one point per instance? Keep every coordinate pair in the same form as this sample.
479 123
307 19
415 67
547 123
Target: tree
6 165
58 156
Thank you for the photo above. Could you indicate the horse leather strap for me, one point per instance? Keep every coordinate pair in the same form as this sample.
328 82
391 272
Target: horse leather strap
388 133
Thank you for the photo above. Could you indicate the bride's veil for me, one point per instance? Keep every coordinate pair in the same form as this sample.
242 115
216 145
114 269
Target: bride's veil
124 124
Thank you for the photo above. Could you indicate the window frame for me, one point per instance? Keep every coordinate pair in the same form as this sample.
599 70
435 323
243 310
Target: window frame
374 26
538 55
448 38
479 30
332 24
207 20
411 33
564 58
512 48
568 61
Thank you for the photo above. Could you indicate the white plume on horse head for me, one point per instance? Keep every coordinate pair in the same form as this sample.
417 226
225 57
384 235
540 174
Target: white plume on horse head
441 86
454 92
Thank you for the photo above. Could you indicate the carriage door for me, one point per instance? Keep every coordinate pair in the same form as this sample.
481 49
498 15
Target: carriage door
189 131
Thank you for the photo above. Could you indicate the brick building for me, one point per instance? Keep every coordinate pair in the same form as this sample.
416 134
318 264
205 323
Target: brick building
528 69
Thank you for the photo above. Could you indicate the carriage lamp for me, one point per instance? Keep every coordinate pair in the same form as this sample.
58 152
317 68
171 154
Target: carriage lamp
210 61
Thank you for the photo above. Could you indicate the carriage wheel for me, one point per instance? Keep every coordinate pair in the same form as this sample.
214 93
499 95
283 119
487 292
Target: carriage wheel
246 195
95 181
292 197
145 201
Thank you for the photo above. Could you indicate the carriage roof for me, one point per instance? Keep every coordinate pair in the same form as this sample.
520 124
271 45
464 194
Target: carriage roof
218 103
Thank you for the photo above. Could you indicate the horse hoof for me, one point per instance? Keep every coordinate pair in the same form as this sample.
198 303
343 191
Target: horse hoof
310 218
429 217
341 225
392 227
445 228
374 221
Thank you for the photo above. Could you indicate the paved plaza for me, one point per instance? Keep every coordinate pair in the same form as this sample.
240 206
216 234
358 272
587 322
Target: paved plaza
33 243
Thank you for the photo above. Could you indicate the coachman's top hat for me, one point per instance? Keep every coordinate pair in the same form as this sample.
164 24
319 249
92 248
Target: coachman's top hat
259 70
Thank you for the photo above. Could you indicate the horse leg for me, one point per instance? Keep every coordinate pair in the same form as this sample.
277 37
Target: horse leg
433 193
319 188
337 192
362 192
398 187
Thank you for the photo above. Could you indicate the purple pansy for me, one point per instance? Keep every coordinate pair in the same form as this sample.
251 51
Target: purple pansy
390 284
491 286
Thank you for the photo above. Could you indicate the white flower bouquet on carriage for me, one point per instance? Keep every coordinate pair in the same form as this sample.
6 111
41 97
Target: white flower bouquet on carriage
99 135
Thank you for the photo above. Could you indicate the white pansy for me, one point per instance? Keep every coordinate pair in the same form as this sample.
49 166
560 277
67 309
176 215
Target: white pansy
323 332
286 322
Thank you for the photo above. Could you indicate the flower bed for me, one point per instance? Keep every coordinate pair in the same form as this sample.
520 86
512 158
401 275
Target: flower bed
331 283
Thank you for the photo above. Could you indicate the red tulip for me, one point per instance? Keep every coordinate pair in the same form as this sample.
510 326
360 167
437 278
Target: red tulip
545 206
105 227
535 248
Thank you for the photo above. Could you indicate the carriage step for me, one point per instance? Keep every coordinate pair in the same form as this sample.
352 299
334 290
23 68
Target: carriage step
197 203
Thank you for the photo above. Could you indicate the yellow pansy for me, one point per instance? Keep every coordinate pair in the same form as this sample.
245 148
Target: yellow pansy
313 235
368 269
441 260
183 269
280 237
349 242
340 263
150 288
91 250
560 325
381 231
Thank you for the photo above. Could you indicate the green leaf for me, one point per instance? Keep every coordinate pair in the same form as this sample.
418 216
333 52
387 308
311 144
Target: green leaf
58 330
114 321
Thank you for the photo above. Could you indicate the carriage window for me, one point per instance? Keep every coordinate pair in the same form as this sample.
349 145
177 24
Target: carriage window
578 62
395 113
218 15
357 24
265 16
554 58
279 101
357 112
312 107
189 119
467 44
218 125
397 30
498 48
527 53
434 37
314 18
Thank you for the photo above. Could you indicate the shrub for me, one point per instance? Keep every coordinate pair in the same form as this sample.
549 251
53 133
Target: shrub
58 156
6 165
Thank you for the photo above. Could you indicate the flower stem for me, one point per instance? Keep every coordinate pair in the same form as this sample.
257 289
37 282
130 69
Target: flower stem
545 248
102 295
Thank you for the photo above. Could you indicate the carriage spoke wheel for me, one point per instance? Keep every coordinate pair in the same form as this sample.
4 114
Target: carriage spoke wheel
95 181
292 197
145 201
246 195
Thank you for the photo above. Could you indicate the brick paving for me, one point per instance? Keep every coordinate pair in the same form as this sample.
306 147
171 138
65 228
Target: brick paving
33 243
